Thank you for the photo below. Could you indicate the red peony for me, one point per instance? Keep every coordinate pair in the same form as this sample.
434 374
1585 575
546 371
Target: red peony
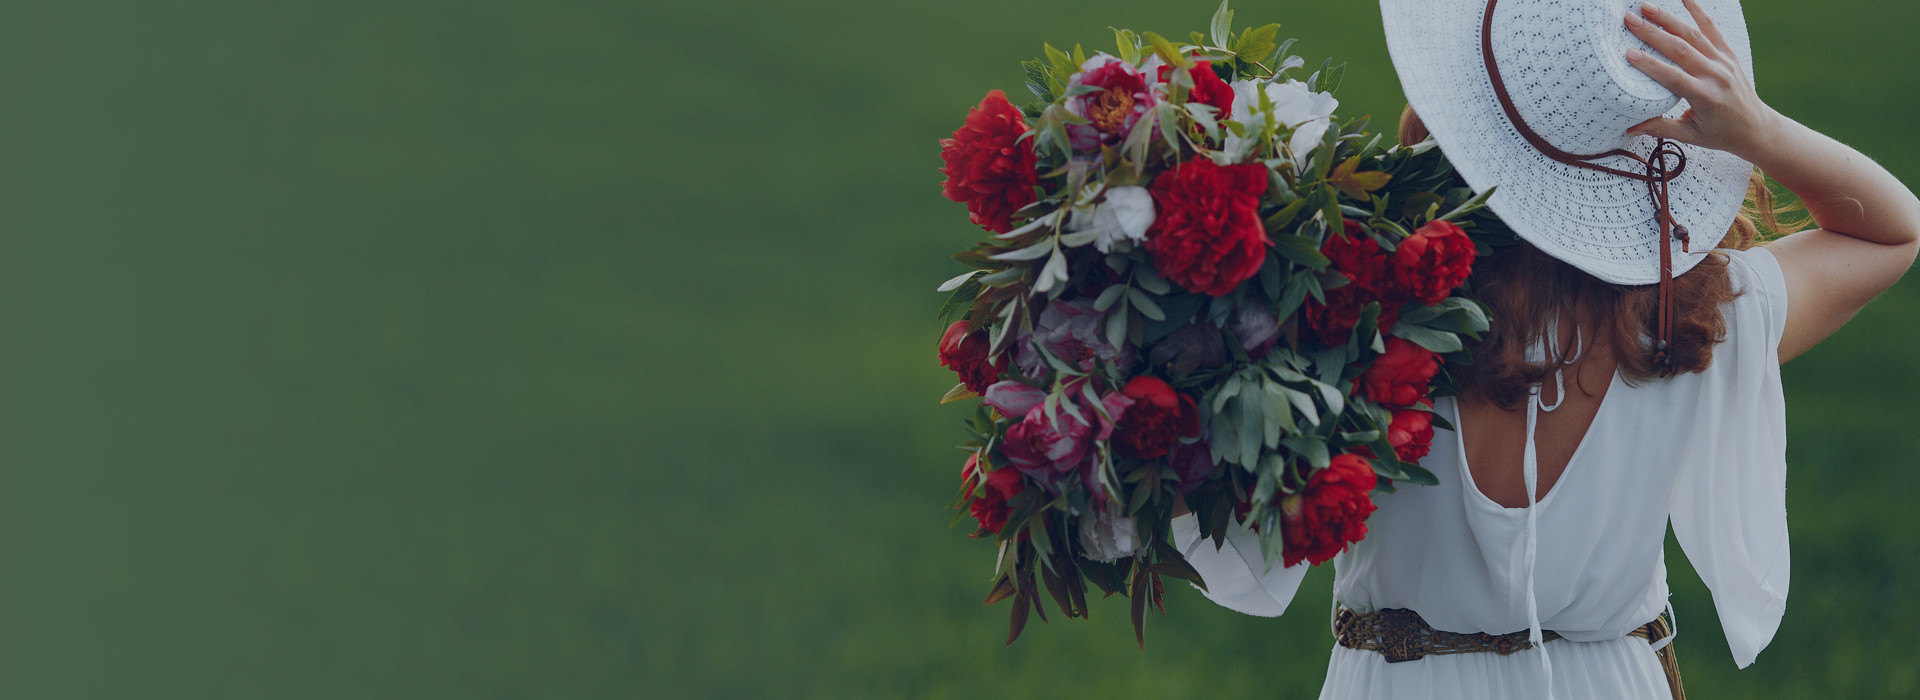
1432 261
966 354
1331 512
1159 415
1411 432
1207 236
1399 377
990 508
1357 256
987 165
1208 88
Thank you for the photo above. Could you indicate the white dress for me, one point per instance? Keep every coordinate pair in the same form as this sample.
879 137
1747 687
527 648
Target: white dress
1705 451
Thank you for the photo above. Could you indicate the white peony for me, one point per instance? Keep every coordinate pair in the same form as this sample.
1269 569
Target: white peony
1124 214
1105 537
1308 113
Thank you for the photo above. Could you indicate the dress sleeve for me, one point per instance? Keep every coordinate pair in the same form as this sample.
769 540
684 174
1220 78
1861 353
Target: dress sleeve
1237 576
1729 503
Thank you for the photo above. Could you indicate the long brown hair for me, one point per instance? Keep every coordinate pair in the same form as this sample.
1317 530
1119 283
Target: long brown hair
1525 289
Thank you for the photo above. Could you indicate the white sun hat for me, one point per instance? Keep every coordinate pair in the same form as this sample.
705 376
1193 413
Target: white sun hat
1564 70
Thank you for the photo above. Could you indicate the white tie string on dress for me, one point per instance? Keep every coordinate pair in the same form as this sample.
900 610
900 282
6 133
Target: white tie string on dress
1530 471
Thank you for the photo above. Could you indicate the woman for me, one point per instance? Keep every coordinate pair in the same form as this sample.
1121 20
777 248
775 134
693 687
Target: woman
1631 376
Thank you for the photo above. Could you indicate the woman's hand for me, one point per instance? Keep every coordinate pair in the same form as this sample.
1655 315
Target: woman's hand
1869 222
1723 111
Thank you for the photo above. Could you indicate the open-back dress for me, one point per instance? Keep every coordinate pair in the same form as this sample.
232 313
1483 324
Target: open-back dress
1705 451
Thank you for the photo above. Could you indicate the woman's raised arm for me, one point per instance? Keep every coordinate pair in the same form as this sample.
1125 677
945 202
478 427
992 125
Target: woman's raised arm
1869 223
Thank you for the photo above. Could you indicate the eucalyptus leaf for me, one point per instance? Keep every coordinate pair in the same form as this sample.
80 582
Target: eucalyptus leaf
1222 25
1435 340
954 283
1003 277
1145 303
1081 237
1303 403
1300 249
1151 280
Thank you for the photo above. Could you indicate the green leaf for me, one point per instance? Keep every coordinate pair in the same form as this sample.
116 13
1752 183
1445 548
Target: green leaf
1032 252
1300 249
1354 183
1251 432
1169 118
1202 114
1336 400
1435 340
1470 206
1063 65
1139 140
1222 26
1329 77
954 283
1256 44
959 392
1294 296
1117 324
1080 238
1310 446
1003 277
1279 416
1286 215
1108 296
1141 300
1165 49
1151 280
1038 80
1128 44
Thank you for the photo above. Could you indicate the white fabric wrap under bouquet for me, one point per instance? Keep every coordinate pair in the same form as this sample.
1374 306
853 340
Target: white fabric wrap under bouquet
1295 106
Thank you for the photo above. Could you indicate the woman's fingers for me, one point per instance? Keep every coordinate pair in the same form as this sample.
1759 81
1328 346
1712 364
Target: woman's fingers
1707 27
1665 128
1664 73
1682 52
1679 28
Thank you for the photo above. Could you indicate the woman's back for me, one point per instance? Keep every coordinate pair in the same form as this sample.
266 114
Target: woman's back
1454 554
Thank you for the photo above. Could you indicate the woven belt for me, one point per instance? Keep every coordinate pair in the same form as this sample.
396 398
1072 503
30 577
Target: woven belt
1400 634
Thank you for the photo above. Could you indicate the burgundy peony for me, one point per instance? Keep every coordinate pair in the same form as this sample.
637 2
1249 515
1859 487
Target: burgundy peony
1357 256
1159 415
1399 377
1208 88
1048 450
1074 332
988 167
1112 111
1411 432
1208 236
966 354
1192 461
990 507
1331 512
1432 261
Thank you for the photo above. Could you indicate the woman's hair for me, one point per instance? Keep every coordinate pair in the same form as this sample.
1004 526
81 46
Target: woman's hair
1525 289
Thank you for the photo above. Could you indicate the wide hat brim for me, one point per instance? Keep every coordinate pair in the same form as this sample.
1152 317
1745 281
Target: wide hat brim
1602 223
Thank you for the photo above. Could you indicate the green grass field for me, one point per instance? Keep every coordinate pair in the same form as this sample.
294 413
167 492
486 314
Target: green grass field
585 350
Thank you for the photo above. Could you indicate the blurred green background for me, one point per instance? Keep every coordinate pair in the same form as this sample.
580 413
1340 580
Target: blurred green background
586 350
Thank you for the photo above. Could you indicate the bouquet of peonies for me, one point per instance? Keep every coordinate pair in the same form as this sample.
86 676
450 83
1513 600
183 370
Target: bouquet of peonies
1200 286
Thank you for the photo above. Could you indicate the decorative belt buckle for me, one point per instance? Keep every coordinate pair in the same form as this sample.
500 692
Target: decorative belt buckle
1400 635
